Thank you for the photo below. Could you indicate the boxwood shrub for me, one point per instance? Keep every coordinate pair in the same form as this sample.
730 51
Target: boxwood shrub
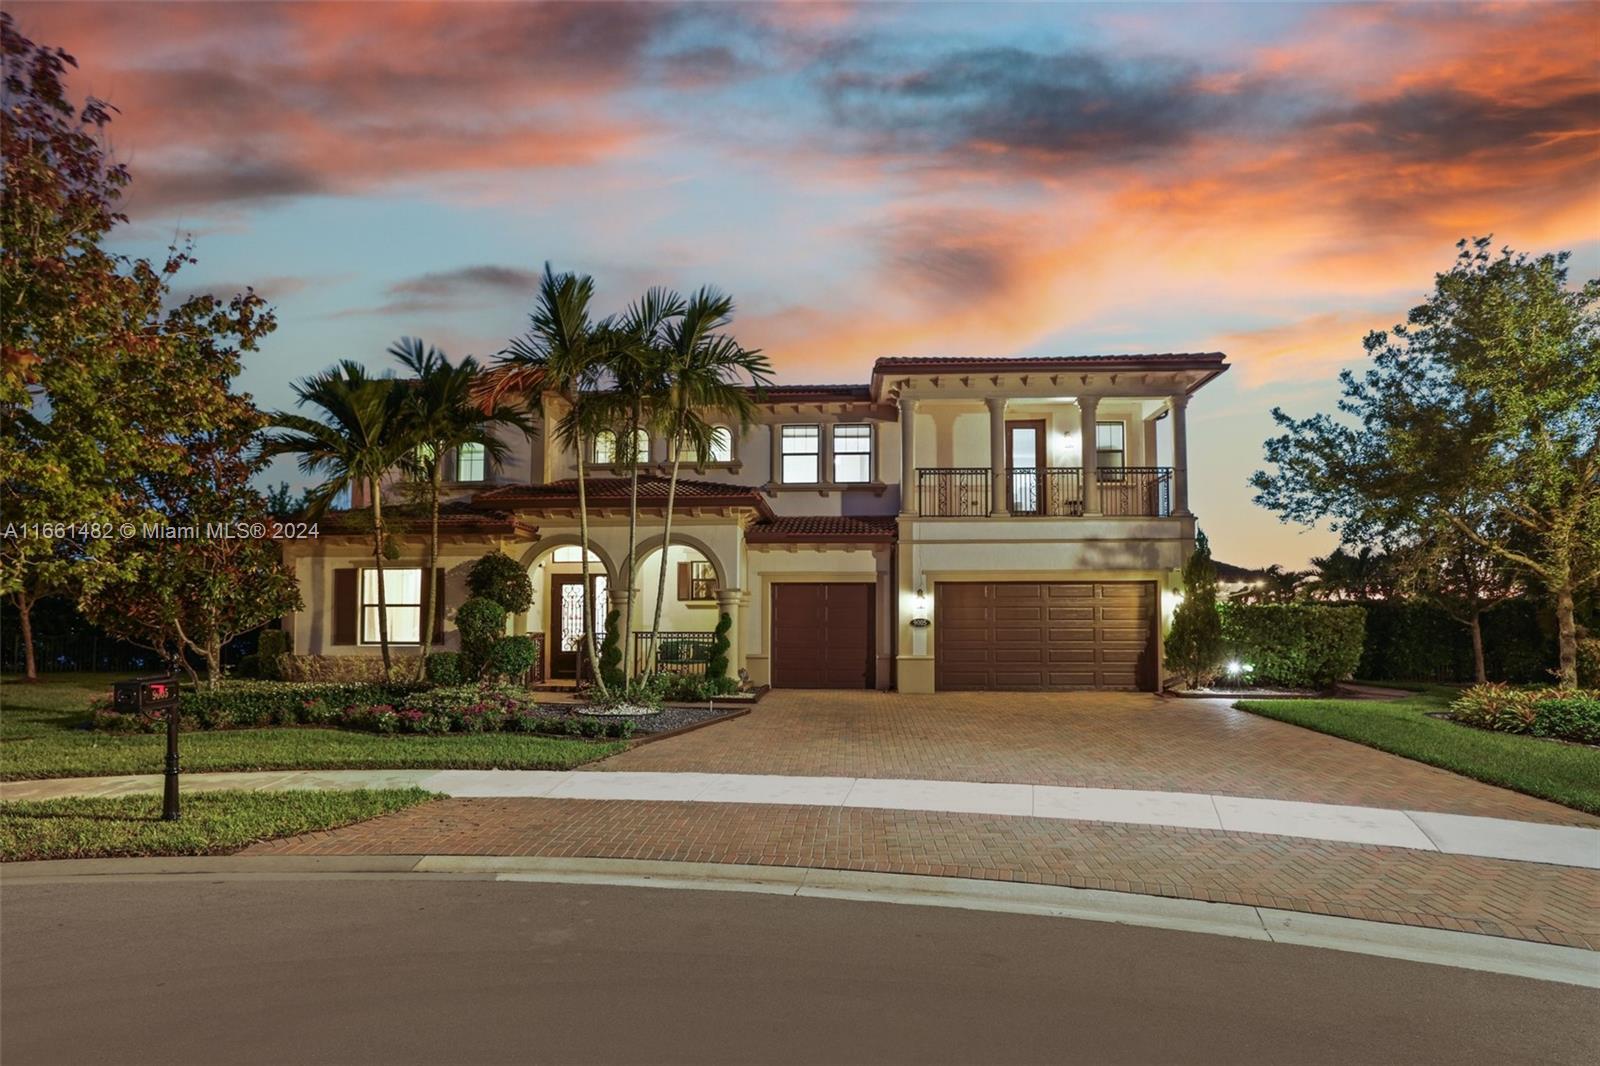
1296 645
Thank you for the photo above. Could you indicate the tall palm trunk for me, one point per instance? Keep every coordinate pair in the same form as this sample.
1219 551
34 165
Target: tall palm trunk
666 555
377 562
430 584
588 599
633 534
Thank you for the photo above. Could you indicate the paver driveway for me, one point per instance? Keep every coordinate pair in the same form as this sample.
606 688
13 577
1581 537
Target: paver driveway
1093 740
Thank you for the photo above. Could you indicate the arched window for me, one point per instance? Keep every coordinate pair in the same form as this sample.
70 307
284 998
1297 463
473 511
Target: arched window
721 450
641 447
470 462
605 447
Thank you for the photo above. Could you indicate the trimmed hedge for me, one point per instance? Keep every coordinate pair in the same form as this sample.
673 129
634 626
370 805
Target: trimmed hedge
1419 642
1296 645
444 668
1568 714
481 623
397 708
512 657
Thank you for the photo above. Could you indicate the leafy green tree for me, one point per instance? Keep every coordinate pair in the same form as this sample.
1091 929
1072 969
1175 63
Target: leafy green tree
361 434
102 382
704 371
1482 412
1194 643
1462 578
441 416
563 352
284 503
498 577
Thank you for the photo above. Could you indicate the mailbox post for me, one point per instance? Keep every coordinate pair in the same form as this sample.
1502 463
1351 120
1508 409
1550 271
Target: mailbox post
149 695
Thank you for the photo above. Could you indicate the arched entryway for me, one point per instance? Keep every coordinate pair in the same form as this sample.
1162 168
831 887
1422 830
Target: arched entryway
560 604
689 607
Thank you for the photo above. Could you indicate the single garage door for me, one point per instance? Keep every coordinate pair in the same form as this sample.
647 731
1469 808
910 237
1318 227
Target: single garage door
1044 636
822 635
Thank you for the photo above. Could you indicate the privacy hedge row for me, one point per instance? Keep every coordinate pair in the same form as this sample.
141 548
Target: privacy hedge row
1295 645
1419 642
1569 714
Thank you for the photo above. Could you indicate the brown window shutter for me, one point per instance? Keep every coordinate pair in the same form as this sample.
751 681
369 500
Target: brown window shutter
345 607
684 591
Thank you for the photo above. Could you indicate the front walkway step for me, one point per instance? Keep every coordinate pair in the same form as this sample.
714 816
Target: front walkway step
1419 830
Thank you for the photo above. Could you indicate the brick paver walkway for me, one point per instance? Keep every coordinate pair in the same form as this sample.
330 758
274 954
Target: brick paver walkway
1092 740
1523 900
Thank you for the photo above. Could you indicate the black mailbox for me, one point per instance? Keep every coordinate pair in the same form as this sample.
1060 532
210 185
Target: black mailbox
145 694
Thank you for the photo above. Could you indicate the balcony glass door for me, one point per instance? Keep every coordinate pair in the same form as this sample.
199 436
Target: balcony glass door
1025 465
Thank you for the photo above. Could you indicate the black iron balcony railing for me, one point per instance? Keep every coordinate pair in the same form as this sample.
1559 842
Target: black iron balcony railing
954 492
685 652
1057 491
1136 490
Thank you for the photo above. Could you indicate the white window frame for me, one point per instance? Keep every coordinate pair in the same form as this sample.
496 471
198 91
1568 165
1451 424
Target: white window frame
784 453
475 454
1099 462
867 437
603 451
721 450
369 603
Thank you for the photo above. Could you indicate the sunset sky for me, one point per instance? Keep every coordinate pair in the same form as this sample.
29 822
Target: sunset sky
1271 180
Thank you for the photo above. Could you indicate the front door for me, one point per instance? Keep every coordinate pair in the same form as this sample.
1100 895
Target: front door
566 620
1025 461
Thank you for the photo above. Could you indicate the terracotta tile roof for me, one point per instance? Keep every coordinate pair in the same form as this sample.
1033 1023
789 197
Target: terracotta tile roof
453 518
875 528
800 393
615 490
913 362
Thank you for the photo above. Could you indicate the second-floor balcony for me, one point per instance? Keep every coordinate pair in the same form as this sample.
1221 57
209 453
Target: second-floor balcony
970 492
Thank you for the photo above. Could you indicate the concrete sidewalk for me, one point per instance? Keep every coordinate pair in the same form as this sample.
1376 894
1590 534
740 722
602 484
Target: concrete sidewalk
1450 834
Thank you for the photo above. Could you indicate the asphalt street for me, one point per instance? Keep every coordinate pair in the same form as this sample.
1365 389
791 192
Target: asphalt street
370 970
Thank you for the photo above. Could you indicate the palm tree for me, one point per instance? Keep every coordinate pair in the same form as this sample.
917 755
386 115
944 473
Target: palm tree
564 351
359 437
442 416
635 362
704 374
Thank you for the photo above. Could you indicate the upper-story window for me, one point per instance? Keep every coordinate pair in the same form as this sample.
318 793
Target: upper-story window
610 449
470 462
605 447
852 453
802 457
1110 447
721 447
640 452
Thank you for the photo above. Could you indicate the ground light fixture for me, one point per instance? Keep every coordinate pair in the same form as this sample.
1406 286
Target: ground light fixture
1235 667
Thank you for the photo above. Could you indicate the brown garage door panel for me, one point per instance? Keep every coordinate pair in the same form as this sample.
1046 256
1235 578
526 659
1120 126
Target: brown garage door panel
822 635
1044 635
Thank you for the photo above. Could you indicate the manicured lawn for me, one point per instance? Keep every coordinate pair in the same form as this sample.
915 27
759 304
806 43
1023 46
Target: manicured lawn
41 735
1568 774
212 822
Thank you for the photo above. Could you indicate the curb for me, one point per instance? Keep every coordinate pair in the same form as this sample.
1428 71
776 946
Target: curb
1438 947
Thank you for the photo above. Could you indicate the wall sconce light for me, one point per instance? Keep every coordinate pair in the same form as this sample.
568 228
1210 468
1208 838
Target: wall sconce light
919 610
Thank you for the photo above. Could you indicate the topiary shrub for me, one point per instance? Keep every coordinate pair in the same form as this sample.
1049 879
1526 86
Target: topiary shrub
717 665
1296 645
482 623
1574 717
444 668
500 578
512 657
611 651
271 646
1194 643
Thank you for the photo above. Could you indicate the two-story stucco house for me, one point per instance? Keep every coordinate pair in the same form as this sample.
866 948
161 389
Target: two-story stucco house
952 524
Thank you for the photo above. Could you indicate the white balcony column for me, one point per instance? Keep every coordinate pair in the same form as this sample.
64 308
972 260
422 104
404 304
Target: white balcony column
1088 408
1180 453
998 503
908 455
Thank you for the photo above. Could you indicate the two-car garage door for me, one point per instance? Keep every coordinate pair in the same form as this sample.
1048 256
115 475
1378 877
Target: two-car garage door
1041 636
